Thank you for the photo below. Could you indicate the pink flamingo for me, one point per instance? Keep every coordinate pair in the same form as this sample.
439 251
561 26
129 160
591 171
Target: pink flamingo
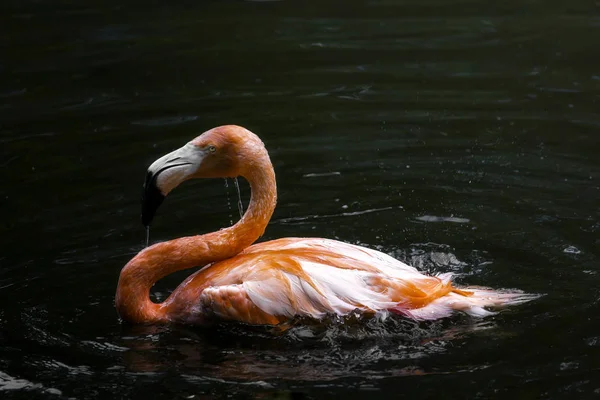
272 282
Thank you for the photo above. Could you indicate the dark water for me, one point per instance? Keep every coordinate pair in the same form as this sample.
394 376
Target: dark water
456 135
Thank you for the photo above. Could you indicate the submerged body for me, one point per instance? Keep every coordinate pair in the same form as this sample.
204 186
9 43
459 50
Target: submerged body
274 282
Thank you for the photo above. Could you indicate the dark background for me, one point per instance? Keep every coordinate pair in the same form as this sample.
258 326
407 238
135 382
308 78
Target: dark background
454 135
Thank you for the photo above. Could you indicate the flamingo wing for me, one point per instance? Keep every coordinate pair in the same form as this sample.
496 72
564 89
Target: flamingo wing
275 281
232 303
278 280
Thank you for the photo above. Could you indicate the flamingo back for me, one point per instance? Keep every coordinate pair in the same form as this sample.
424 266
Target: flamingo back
292 277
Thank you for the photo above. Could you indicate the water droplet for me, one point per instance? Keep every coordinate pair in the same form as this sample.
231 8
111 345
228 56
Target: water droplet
572 250
240 204
228 202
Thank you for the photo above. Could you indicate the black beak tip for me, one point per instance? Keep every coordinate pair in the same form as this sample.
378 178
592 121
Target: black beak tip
152 198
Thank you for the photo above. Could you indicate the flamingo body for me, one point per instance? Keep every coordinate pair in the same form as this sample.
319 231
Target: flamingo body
273 282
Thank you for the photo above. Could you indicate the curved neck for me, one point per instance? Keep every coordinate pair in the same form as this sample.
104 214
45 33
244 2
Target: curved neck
155 262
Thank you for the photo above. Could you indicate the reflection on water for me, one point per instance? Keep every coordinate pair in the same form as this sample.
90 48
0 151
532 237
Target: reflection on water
454 136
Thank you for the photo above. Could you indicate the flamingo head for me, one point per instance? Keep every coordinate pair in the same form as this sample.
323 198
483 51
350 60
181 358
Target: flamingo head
224 152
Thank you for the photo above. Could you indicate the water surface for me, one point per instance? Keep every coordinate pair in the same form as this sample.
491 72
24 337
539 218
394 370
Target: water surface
457 136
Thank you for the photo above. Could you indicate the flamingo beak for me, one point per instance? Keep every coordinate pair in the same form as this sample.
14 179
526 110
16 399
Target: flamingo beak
152 198
165 174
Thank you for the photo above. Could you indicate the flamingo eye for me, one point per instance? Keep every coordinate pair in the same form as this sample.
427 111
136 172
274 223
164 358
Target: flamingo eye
212 149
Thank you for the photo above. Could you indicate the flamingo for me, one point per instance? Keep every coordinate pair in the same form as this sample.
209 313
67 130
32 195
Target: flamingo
273 282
